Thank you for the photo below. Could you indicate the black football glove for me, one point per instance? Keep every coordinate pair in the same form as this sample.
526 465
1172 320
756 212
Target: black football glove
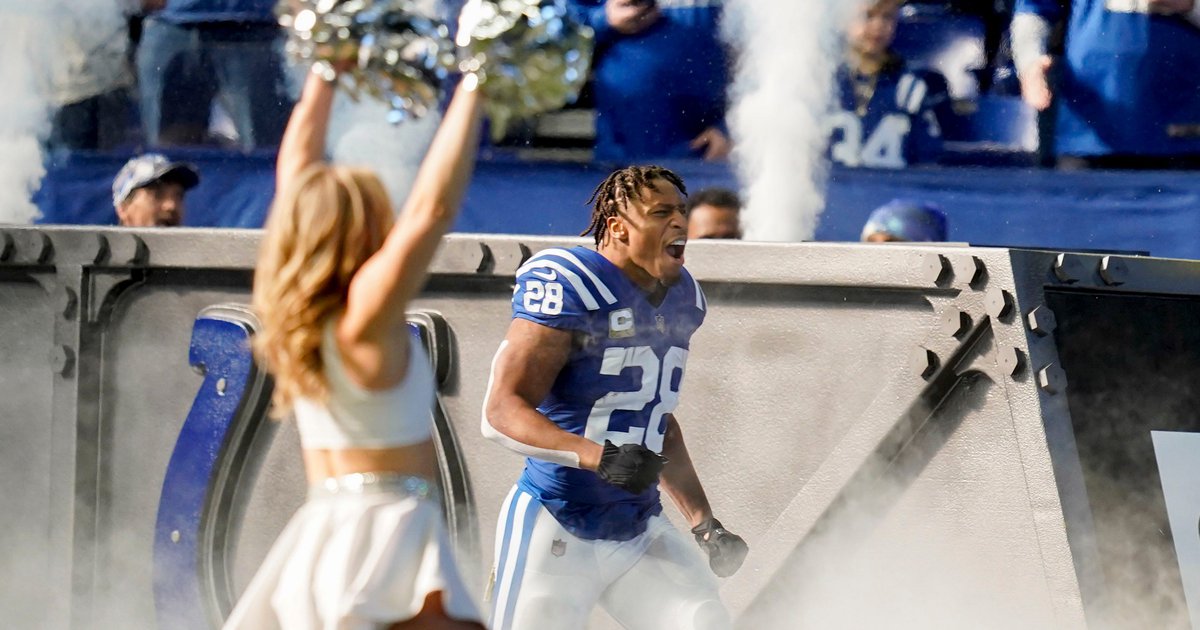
725 550
631 467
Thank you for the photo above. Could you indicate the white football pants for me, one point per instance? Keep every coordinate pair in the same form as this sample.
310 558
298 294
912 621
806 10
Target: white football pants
544 578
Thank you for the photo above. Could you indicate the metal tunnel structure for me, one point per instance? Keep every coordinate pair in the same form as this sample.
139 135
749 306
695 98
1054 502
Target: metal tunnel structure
907 436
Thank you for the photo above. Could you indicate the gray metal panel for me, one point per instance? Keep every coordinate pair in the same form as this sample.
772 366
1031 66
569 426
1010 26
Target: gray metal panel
147 391
26 338
904 398
276 492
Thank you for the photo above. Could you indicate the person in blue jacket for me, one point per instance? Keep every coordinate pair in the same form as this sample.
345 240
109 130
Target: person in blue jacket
193 51
1128 87
660 75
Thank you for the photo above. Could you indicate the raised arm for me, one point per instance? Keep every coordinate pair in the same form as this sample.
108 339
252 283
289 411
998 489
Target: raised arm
388 280
303 141
371 334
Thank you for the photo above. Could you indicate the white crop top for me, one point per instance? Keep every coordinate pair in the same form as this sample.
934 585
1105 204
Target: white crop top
355 417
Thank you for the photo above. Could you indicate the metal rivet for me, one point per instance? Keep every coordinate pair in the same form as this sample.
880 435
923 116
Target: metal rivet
1067 268
175 536
100 253
935 268
221 384
1011 360
955 323
1041 321
508 256
1113 270
128 249
486 259
33 247
67 300
923 362
978 273
998 303
62 360
1052 379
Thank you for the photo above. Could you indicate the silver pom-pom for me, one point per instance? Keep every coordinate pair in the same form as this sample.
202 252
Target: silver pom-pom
528 56
398 51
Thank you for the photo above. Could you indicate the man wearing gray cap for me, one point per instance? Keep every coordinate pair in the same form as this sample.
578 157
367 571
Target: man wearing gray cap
149 189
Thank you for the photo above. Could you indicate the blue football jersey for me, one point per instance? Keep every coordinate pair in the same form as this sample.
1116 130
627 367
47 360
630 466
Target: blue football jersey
897 122
620 381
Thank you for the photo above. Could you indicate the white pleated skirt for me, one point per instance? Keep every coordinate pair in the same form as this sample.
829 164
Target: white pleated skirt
356 560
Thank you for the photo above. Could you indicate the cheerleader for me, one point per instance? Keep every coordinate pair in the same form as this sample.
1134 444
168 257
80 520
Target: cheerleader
369 548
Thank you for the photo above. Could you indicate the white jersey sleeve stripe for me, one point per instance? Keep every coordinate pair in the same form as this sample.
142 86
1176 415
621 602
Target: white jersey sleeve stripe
539 257
903 90
600 286
918 95
584 294
701 302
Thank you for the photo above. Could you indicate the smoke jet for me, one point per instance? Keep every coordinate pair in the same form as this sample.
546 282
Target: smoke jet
787 56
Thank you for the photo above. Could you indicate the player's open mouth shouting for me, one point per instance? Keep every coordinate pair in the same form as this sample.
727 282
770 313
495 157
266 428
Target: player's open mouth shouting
675 249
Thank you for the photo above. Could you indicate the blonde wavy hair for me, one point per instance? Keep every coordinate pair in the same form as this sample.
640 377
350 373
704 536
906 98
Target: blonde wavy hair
321 230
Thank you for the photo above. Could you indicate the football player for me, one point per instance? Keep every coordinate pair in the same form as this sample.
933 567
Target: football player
584 384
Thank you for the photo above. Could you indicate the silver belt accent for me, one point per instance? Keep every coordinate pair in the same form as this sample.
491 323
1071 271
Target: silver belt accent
373 483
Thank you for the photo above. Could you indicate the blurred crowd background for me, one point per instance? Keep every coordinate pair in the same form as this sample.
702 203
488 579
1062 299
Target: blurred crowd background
932 86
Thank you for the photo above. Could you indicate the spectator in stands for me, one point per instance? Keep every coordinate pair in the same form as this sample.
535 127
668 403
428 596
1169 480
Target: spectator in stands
91 78
903 220
1129 88
659 76
887 116
192 51
714 213
148 191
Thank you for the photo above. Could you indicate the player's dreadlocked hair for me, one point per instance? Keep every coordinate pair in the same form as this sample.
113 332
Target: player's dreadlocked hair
618 189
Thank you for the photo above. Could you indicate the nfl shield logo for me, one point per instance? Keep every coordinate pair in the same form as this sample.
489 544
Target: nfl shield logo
558 548
660 323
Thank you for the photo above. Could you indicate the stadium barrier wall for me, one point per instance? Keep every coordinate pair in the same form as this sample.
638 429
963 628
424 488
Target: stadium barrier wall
1121 211
909 436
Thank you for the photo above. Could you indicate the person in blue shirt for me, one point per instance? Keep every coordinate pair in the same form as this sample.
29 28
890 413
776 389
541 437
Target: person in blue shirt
660 74
885 115
585 384
1128 89
193 51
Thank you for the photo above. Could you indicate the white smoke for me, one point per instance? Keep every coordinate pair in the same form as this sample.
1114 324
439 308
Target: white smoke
787 55
24 109
52 52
